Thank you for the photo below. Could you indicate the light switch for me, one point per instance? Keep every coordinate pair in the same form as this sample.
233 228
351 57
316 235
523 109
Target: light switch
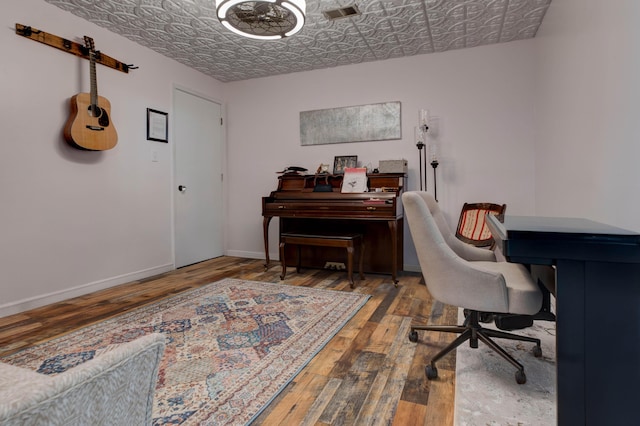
154 156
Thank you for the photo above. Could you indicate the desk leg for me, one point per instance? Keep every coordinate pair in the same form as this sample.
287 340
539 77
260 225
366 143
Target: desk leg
570 342
597 329
265 231
393 228
612 343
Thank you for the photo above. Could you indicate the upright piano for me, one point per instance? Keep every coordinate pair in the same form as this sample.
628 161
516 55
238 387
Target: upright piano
376 214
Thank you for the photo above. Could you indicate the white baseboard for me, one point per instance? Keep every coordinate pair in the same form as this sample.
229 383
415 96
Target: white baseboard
58 296
411 268
252 254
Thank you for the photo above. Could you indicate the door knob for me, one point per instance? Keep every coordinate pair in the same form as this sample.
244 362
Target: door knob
182 188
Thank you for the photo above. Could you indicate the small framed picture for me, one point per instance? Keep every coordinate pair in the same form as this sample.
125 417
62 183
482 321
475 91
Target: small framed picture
157 126
342 162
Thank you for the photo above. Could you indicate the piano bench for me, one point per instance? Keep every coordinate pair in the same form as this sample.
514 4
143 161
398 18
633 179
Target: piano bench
347 241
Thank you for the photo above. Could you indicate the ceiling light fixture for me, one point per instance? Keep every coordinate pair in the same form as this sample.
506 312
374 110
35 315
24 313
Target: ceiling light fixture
262 19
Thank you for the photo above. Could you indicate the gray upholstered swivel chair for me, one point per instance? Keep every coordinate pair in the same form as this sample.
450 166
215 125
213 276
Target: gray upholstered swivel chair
478 286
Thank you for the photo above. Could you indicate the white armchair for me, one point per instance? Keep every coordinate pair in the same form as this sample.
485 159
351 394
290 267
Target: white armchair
115 388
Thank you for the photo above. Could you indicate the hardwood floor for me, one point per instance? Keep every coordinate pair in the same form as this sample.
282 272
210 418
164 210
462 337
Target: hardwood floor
368 374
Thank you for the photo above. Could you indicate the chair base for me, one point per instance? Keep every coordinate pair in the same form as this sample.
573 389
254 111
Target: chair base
472 331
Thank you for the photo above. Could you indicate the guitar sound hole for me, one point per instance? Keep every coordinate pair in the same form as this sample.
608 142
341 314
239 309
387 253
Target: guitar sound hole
94 111
100 113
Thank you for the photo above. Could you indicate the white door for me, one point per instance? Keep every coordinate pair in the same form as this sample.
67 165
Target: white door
198 178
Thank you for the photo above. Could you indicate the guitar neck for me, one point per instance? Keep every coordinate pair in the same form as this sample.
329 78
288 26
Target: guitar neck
94 81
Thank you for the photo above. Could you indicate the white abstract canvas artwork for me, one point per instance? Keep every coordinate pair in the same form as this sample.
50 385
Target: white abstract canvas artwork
373 122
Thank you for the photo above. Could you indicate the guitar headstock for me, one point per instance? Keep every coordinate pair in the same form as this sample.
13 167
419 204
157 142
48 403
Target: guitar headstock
89 44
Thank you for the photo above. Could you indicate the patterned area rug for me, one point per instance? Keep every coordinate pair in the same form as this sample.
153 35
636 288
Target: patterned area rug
232 346
486 390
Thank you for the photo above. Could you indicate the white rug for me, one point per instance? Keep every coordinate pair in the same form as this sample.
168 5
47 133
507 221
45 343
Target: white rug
486 389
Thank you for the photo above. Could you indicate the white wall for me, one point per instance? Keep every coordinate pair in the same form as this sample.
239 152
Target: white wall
75 221
482 96
587 139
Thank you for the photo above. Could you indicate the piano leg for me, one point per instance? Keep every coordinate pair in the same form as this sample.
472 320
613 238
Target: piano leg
350 251
393 228
282 260
265 230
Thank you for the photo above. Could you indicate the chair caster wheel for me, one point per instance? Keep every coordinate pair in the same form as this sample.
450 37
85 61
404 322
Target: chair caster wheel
431 372
413 336
537 351
521 378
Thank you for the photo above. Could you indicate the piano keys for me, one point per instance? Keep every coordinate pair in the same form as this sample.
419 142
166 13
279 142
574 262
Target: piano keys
377 214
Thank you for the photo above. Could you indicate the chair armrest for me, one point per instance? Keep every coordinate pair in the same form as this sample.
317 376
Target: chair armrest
116 387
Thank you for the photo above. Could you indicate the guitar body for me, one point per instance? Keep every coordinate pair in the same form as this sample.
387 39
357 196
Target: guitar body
88 129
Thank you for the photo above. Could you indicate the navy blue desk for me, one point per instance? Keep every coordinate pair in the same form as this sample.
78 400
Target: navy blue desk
597 311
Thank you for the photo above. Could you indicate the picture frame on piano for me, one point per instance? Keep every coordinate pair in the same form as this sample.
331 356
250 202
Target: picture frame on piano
344 161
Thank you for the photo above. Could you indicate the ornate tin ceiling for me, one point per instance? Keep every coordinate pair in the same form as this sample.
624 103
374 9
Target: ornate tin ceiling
189 32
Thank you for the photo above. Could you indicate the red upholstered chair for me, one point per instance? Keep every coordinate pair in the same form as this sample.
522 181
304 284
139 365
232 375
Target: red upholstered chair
472 228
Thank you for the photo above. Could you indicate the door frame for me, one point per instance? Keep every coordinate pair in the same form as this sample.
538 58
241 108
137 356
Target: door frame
223 148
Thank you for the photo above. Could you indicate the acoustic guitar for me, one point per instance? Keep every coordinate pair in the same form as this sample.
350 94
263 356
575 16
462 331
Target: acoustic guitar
89 126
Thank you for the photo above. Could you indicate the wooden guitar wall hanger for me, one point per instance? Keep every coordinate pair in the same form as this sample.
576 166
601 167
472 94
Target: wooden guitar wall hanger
71 47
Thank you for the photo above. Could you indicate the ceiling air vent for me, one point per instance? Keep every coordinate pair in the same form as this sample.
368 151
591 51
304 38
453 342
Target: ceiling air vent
344 12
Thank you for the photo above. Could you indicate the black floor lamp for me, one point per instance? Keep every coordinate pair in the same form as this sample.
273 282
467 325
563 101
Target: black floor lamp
422 155
422 159
421 136
434 164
